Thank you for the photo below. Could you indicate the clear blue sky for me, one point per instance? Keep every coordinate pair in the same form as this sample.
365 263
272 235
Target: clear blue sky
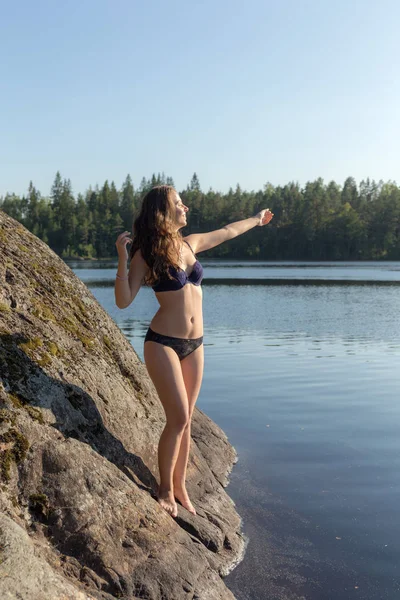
239 92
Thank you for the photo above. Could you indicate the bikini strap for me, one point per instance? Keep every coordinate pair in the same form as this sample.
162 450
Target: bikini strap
190 248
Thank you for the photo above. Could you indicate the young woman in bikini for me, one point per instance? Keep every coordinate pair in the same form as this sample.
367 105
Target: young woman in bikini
173 347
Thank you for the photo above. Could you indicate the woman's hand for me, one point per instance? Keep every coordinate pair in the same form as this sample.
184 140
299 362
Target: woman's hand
264 216
122 240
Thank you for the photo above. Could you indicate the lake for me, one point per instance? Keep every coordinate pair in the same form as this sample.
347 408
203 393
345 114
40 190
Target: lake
302 372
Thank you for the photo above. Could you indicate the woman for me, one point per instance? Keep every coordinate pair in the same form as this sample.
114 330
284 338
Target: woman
173 347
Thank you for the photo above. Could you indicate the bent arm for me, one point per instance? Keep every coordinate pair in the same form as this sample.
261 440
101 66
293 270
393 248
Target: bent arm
126 289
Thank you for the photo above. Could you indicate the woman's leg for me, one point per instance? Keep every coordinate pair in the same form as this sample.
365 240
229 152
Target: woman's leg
165 371
192 372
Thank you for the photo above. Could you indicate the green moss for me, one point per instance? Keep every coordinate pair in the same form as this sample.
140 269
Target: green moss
6 416
107 342
80 310
21 402
47 314
43 312
55 272
80 304
57 279
16 453
87 342
31 345
4 307
70 325
53 349
23 248
15 400
5 464
44 360
21 444
35 413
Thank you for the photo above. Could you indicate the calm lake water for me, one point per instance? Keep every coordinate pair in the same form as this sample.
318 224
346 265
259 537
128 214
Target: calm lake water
302 372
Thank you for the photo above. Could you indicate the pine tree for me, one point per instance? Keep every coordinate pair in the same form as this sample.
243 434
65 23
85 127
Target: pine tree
128 205
32 214
194 183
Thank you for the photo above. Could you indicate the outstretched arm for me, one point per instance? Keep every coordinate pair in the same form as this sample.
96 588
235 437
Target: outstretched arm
239 227
205 241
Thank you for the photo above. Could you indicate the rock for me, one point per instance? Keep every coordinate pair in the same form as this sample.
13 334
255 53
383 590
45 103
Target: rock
80 422
23 574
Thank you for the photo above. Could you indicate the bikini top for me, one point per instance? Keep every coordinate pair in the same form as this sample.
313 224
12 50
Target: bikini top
180 277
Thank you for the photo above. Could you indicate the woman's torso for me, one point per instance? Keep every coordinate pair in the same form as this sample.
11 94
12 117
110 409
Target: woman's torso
181 311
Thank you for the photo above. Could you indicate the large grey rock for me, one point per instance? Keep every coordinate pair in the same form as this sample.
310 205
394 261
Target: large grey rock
80 422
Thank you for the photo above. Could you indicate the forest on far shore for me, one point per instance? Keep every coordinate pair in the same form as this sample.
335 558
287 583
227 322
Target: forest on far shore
317 222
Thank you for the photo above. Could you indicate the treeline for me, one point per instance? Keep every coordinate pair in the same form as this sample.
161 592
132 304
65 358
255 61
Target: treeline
316 222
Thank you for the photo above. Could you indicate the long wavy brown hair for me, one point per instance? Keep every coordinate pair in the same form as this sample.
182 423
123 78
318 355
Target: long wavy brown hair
154 235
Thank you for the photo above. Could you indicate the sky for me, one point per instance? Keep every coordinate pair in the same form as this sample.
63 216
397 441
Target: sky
240 92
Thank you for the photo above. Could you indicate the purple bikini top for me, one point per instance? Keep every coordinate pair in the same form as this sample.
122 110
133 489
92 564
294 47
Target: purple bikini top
180 277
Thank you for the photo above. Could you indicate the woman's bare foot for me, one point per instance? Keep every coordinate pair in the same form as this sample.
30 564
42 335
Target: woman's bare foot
182 495
166 500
